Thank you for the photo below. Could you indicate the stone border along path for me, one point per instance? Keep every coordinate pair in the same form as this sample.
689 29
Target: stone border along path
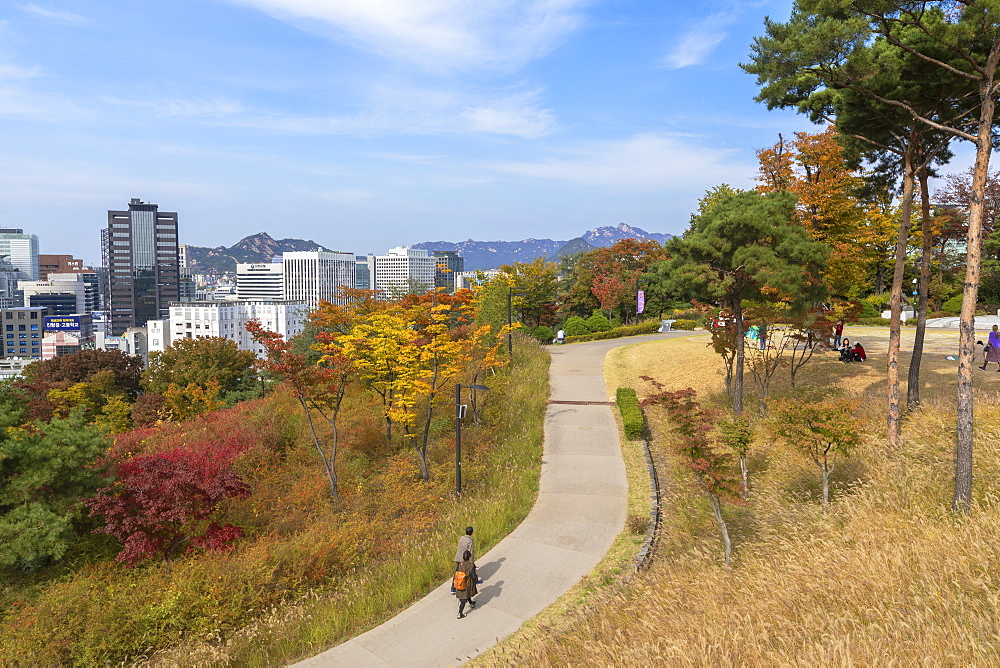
580 510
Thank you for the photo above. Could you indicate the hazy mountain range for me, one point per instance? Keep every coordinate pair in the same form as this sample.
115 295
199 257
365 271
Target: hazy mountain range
260 248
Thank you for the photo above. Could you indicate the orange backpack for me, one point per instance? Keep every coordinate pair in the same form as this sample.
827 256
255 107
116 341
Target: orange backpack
460 581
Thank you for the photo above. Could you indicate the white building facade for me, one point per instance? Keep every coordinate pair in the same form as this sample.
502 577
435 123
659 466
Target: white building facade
403 270
256 282
204 319
310 276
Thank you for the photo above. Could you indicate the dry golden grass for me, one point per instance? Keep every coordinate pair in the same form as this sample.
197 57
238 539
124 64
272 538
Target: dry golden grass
886 577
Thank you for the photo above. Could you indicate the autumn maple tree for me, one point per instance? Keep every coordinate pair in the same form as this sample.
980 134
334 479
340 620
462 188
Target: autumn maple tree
318 387
163 504
694 440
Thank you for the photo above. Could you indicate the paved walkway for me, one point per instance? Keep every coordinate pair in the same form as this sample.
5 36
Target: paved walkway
580 509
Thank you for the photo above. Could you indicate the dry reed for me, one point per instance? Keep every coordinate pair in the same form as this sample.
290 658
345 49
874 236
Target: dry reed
886 577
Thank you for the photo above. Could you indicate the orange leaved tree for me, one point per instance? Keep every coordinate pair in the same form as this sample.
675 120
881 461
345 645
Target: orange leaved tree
318 387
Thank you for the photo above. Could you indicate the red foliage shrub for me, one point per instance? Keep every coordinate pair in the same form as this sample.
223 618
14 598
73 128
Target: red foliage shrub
160 502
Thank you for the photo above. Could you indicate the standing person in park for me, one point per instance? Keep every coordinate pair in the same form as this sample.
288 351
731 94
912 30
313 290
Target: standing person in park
464 584
465 544
561 335
992 349
838 331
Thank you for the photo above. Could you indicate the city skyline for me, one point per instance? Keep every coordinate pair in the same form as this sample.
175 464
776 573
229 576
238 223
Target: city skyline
370 126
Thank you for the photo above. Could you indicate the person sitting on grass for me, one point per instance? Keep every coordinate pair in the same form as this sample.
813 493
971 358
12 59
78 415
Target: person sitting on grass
845 350
858 353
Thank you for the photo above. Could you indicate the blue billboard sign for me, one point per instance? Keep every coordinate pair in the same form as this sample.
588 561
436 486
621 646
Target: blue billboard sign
63 323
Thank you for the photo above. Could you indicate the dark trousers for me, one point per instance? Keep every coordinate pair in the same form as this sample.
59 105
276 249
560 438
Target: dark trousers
462 602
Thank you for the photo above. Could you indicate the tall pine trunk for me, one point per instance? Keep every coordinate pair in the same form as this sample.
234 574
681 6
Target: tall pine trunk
740 356
896 299
913 375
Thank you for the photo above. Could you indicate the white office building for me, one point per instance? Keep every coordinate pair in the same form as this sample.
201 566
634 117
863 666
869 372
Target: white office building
310 276
403 270
228 319
63 294
21 251
260 281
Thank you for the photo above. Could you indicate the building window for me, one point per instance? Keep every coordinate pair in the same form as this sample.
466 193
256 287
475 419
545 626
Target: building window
10 328
22 328
34 328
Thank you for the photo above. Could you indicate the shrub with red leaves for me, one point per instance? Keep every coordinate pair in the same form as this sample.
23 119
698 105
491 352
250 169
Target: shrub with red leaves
164 502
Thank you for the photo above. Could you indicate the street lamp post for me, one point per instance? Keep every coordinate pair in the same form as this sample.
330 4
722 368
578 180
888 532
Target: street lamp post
511 291
459 414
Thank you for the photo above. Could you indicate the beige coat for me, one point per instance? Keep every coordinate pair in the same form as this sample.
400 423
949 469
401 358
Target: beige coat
465 543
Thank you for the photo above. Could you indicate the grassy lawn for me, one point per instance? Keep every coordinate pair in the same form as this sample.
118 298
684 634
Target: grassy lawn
886 575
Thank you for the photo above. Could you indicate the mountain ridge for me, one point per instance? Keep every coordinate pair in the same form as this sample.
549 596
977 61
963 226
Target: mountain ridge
262 247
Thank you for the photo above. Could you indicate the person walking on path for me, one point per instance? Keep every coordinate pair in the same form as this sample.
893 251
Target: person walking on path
465 544
561 336
466 593
992 349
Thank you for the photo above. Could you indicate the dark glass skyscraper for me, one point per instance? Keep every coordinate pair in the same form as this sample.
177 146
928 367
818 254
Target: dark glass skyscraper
143 273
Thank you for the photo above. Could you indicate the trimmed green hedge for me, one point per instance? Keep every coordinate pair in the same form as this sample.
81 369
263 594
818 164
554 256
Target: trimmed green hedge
632 419
873 322
648 327
684 325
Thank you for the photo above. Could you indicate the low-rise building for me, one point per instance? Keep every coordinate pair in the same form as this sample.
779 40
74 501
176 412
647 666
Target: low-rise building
228 319
23 329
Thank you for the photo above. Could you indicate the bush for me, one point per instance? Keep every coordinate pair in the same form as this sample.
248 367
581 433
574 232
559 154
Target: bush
632 419
576 326
543 334
598 323
873 305
953 306
687 314
648 327
684 325
874 322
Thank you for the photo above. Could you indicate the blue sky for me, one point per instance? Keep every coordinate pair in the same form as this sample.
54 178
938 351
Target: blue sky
366 124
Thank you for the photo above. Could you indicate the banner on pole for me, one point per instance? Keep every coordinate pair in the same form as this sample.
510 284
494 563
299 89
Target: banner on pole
641 302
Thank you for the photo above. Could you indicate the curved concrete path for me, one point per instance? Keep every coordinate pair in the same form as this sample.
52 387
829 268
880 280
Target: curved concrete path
580 509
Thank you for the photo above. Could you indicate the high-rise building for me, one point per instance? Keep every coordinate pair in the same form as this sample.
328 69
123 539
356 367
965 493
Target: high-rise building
363 272
21 251
141 256
403 270
448 264
310 276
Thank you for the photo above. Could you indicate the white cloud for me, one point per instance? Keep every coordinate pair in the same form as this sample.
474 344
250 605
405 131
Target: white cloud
516 115
400 109
178 106
438 34
59 16
642 163
699 41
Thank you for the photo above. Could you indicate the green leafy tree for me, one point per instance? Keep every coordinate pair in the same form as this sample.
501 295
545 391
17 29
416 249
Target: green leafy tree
821 429
744 247
199 361
44 471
